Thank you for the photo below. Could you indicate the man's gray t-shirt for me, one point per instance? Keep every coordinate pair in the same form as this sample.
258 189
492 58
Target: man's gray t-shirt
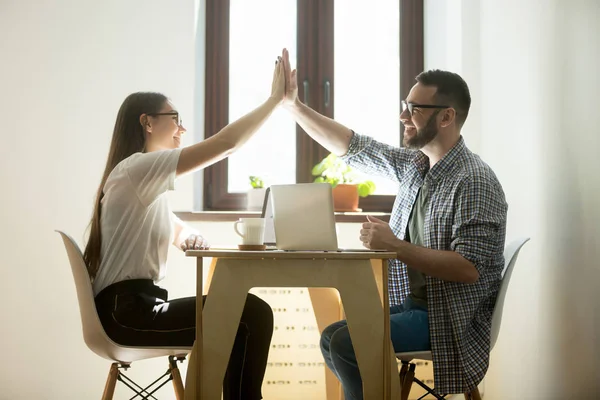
416 279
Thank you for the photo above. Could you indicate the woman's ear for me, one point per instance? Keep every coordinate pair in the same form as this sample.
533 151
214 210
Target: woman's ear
448 117
145 122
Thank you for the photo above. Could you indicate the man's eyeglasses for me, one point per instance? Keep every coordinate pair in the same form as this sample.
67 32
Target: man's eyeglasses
175 114
411 106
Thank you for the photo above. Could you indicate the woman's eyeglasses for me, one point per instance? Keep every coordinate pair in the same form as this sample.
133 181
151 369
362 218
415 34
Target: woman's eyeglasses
175 114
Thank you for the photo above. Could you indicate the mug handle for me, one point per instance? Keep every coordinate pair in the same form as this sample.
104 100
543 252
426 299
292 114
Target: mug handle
235 227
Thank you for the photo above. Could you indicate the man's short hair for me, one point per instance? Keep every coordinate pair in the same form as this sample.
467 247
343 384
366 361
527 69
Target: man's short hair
452 90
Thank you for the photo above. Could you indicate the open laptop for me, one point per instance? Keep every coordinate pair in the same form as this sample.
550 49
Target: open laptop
300 217
267 214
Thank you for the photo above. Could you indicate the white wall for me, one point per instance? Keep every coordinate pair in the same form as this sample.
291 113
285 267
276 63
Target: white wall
66 67
534 66
452 41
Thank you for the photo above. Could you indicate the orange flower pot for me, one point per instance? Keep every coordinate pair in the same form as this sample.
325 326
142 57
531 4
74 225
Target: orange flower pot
345 198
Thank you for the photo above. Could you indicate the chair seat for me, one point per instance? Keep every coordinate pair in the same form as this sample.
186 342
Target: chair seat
414 355
126 354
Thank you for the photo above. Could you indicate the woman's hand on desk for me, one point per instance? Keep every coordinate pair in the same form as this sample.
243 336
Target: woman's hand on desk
195 242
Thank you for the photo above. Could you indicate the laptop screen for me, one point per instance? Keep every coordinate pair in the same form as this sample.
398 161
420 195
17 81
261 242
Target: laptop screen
267 214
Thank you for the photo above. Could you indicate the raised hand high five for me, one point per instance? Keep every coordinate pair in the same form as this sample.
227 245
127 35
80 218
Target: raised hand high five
291 81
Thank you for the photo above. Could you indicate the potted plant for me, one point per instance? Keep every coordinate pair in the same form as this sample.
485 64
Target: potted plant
347 185
256 195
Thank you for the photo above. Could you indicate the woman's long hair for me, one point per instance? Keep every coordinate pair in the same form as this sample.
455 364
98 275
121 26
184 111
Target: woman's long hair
129 137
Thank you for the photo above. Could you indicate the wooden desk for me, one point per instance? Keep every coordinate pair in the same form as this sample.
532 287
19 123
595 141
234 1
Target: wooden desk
360 277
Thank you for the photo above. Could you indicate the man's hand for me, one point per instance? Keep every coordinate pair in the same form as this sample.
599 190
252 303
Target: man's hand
194 242
291 81
279 80
377 234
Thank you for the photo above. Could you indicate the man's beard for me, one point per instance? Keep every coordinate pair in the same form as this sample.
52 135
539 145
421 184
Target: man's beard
423 136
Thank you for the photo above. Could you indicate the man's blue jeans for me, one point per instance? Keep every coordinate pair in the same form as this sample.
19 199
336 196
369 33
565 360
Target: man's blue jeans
409 332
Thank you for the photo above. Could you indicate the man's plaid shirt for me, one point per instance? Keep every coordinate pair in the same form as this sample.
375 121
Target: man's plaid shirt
466 214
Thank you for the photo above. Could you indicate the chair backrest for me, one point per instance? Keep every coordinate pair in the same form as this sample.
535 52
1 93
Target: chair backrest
93 332
510 258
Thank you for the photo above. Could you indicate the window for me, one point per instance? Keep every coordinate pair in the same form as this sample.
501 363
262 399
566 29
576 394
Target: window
364 54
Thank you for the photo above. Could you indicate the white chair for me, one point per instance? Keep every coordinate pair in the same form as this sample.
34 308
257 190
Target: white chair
407 372
97 340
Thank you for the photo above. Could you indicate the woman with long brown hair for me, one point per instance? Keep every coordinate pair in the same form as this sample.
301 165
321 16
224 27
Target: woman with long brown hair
132 227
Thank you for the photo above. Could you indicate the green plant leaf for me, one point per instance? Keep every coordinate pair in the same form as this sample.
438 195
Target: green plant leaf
334 171
366 188
256 182
318 169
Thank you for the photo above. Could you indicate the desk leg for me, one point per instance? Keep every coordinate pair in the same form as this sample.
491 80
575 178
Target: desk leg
211 272
364 313
391 381
390 365
327 308
222 313
193 378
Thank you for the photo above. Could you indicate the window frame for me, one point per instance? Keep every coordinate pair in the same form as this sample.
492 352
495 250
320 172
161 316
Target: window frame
315 48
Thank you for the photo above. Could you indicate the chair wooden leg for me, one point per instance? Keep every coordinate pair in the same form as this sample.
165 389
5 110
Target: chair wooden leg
473 395
403 372
111 381
177 382
407 382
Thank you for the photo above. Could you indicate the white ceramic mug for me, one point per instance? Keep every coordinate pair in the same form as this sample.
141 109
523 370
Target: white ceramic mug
253 230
